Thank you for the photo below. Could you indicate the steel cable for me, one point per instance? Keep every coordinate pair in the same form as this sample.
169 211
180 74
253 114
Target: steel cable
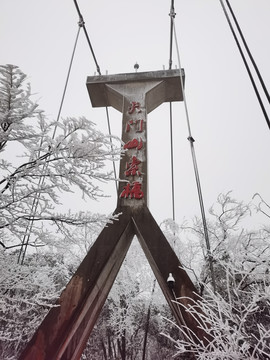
82 22
196 171
172 15
29 227
249 52
246 65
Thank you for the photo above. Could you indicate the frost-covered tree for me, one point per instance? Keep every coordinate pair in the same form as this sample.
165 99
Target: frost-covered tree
237 321
237 315
131 322
41 161
15 106
54 158
27 293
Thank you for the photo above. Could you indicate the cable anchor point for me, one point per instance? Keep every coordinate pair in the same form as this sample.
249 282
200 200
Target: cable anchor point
81 22
98 70
172 13
191 139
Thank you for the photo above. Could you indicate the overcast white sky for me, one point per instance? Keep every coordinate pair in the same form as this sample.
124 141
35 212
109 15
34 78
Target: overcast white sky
232 138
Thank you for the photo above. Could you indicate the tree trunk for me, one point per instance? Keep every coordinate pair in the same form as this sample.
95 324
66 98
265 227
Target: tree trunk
104 350
122 346
110 352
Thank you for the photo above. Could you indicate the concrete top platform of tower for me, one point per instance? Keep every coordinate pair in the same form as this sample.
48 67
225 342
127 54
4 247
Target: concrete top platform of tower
109 90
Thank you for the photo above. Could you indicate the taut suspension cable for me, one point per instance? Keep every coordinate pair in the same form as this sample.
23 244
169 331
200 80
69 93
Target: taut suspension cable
82 22
249 52
246 65
196 171
28 230
110 133
172 15
172 161
87 37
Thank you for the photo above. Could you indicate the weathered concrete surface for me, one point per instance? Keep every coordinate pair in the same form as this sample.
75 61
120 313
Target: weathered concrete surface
168 89
64 332
150 89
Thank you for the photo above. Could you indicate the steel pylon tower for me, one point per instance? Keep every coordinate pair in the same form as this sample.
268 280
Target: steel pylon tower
66 328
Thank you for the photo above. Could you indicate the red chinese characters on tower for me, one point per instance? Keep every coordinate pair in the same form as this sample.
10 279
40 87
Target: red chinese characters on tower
134 144
133 125
132 191
132 167
134 105
137 125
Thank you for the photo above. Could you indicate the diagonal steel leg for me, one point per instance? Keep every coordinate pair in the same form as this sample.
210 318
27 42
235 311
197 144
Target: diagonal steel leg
163 261
65 330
